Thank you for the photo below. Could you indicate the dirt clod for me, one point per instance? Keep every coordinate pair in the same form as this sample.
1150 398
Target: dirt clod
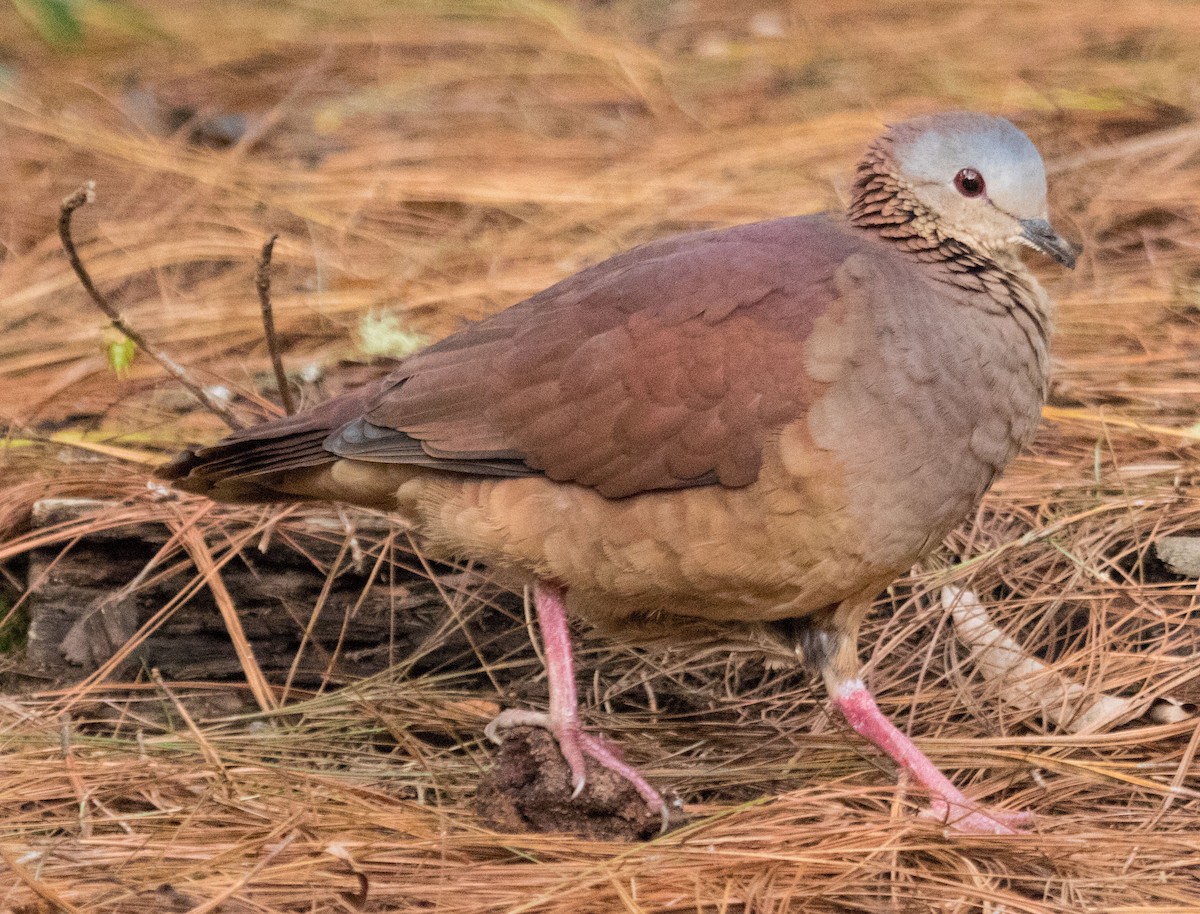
529 790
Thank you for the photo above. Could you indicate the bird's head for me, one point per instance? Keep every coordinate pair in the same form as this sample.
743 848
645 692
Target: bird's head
975 178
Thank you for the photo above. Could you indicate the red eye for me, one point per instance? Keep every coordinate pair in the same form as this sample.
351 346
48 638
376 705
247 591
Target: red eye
969 182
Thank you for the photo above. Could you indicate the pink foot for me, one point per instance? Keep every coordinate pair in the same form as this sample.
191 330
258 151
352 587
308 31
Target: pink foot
978 820
563 718
949 804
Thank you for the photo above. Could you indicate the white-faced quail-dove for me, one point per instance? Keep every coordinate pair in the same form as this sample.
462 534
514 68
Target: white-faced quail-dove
764 424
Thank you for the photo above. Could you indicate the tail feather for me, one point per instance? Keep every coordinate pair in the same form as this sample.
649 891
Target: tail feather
240 471
322 454
244 466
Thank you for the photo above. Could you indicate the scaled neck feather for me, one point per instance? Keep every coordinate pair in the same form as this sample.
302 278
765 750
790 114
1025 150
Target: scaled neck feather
885 205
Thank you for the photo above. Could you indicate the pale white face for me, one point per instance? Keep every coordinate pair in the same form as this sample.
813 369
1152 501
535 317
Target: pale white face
982 178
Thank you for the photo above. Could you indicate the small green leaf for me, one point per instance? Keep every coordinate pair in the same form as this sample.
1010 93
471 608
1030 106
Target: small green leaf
56 21
381 333
120 351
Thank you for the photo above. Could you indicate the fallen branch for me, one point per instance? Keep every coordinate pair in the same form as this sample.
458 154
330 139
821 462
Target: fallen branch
86 194
1031 685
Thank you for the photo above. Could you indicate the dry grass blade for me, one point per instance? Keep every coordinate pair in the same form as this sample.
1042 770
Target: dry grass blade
210 572
429 162
40 889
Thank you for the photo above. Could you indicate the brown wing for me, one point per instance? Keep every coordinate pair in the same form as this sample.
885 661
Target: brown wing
664 367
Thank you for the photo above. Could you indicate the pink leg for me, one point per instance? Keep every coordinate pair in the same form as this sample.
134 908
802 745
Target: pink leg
852 698
563 719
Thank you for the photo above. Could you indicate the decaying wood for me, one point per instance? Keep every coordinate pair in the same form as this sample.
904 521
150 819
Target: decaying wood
89 598
1181 554
1030 683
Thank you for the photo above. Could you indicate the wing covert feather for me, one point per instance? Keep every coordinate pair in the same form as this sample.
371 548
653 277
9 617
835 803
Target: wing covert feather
664 367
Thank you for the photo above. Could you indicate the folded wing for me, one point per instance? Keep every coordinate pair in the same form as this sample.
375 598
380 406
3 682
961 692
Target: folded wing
665 367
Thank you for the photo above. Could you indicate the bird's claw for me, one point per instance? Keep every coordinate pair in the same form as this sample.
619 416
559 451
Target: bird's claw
575 744
580 783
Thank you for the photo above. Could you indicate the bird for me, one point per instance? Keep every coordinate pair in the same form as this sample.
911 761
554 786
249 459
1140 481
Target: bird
759 425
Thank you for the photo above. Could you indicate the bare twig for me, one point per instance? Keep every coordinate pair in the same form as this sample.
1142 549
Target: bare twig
86 194
262 281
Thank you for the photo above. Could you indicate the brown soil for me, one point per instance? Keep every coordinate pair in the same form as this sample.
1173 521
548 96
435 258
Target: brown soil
529 790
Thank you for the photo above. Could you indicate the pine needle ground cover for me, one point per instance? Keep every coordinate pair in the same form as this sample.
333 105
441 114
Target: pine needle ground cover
428 163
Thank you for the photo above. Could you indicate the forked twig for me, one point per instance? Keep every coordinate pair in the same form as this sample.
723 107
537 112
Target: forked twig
262 282
86 194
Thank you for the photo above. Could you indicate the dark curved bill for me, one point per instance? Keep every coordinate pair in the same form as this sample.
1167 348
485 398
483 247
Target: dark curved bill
1040 235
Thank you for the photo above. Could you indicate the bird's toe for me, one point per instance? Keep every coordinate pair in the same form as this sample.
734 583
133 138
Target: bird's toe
977 820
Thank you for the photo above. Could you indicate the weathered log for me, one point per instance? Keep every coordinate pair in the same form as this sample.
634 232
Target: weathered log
91 596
